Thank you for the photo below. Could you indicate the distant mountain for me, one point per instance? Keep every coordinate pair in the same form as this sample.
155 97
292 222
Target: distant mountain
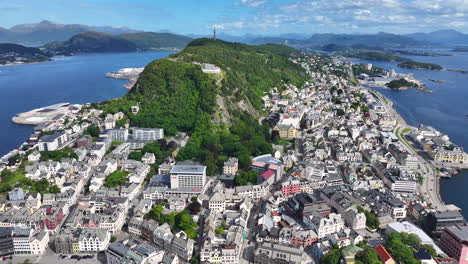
370 40
18 54
450 37
91 41
46 31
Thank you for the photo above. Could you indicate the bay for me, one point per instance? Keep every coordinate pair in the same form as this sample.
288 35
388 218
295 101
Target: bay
76 79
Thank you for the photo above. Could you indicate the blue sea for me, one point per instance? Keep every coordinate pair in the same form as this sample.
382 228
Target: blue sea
444 109
77 79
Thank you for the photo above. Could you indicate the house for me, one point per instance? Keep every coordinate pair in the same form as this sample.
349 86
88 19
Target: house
148 158
383 254
16 194
231 166
35 156
267 253
349 253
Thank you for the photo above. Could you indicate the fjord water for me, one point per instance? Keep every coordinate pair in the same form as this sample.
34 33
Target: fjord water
444 109
77 79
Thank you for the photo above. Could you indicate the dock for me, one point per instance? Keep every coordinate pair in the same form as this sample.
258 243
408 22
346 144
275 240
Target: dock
44 114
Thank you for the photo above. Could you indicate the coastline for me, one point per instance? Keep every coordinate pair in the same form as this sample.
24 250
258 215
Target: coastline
21 64
402 123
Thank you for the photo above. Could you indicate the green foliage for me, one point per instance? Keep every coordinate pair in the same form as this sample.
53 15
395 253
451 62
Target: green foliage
42 186
372 55
9 179
429 249
246 177
402 247
371 219
93 131
181 221
420 65
219 231
362 69
368 256
194 207
401 83
176 95
332 257
116 178
151 40
58 155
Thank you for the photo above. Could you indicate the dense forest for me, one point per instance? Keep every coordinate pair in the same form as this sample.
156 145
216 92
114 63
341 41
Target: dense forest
176 95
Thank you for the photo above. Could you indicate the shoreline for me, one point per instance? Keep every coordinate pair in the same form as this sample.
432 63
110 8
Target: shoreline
403 123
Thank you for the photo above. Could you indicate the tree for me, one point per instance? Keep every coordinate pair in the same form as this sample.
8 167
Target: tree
332 257
194 207
54 189
368 256
246 177
115 179
93 131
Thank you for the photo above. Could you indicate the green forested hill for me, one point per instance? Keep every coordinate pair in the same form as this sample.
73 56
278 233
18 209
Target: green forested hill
219 111
152 40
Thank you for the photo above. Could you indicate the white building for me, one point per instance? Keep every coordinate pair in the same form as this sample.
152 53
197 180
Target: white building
118 135
188 176
52 142
324 225
231 166
93 240
148 134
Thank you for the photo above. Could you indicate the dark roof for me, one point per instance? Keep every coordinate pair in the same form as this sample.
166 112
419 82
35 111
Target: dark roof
422 255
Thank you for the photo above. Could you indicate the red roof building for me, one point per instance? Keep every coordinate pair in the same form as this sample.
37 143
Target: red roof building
384 255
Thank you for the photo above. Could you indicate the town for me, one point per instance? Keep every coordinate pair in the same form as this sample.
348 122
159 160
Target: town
348 181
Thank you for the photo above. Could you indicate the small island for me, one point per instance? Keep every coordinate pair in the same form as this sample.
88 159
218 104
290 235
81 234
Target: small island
404 84
401 84
420 65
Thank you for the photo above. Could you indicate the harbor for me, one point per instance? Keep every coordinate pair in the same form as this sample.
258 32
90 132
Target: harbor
130 74
45 114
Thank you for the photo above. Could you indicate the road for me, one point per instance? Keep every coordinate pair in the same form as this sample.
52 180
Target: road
430 189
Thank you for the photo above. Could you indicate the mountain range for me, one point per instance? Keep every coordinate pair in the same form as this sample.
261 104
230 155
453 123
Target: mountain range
92 41
46 31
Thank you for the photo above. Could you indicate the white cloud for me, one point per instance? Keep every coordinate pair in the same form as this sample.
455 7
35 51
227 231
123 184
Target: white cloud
252 3
400 16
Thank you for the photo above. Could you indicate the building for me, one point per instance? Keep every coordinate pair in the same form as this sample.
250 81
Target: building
118 135
21 239
349 253
16 194
148 134
268 253
434 223
6 242
67 243
93 240
231 166
39 243
454 242
188 176
383 254
210 68
52 142
116 253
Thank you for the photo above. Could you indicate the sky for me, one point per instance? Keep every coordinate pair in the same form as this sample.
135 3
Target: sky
239 17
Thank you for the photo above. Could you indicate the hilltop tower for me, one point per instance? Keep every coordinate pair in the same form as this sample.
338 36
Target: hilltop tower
214 32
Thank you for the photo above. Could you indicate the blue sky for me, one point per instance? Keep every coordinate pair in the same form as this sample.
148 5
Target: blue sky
238 17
